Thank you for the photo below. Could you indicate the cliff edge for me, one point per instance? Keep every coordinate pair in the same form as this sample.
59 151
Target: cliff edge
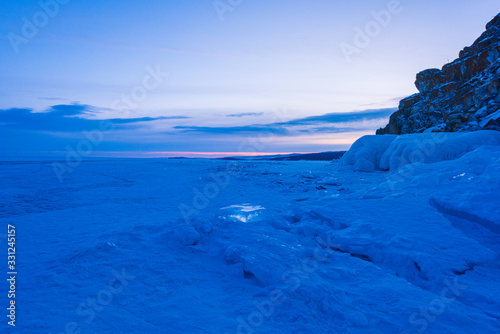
462 96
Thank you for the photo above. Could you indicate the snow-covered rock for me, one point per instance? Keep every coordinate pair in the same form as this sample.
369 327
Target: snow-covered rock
391 152
457 97
366 152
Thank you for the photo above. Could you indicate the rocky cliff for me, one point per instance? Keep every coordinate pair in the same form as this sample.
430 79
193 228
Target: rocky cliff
462 96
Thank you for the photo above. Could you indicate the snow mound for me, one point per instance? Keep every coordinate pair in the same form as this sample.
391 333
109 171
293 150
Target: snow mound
391 152
366 152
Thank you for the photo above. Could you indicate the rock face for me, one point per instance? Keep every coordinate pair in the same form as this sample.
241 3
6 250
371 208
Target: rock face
462 96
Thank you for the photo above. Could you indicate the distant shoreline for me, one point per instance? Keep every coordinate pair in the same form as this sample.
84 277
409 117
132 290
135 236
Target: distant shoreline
320 156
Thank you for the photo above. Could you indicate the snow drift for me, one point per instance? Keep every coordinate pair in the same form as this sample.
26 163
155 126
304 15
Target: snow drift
390 152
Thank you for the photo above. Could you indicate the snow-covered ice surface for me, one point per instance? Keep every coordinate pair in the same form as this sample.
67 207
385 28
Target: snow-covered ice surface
263 247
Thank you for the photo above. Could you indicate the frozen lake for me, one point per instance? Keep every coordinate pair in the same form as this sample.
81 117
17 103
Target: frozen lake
214 246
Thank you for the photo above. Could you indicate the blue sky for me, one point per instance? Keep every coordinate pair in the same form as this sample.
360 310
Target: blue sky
224 76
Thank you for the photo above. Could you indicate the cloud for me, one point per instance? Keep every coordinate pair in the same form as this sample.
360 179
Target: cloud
232 129
398 99
61 126
345 117
63 118
329 129
301 126
246 114
51 98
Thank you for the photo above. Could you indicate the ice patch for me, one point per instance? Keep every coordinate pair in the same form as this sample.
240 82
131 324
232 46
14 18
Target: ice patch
243 213
245 207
